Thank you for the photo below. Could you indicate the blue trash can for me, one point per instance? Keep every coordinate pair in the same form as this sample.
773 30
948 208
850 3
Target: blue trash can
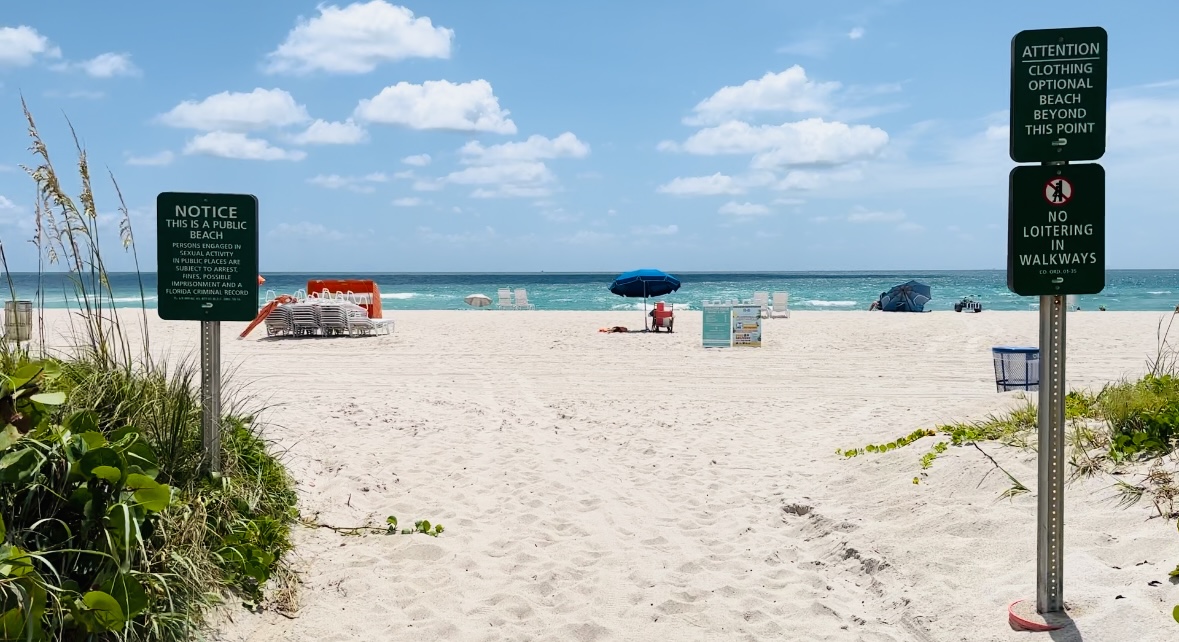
1016 368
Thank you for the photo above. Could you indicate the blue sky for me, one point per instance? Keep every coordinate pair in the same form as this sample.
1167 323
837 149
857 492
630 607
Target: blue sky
563 136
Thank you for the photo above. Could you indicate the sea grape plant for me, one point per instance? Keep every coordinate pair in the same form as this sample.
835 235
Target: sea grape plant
77 506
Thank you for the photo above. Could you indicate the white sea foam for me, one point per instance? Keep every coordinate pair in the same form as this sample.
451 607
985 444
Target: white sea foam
1159 292
649 306
819 303
399 295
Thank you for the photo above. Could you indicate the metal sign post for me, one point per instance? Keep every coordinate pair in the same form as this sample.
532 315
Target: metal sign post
211 393
1055 247
1050 488
207 271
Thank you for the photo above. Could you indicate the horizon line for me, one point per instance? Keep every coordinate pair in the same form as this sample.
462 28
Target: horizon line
597 272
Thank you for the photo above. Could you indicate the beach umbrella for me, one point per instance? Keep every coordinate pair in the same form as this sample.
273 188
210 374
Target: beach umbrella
910 296
477 300
644 283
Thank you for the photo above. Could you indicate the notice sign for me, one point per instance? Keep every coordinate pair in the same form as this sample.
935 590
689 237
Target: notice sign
1058 94
718 319
747 326
1056 230
207 256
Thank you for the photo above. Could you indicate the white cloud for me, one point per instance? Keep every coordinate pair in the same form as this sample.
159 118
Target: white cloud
463 238
816 180
656 230
438 104
155 160
514 169
534 148
305 230
862 215
509 190
21 46
358 37
322 132
109 65
239 146
6 203
505 180
428 185
361 184
238 111
409 201
786 91
702 186
733 208
856 33
813 141
587 237
507 172
417 160
559 215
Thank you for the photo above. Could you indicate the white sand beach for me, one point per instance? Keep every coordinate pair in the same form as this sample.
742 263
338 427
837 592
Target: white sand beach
639 487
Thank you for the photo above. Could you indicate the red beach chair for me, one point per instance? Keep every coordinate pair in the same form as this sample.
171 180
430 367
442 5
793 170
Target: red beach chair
664 317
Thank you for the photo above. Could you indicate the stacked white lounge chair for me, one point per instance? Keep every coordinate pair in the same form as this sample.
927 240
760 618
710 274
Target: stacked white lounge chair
324 315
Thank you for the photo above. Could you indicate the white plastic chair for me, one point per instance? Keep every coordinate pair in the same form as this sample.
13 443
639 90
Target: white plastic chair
522 300
762 300
779 307
505 299
305 318
278 321
332 320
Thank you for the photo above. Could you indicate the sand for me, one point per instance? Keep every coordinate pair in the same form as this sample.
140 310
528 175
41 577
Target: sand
639 487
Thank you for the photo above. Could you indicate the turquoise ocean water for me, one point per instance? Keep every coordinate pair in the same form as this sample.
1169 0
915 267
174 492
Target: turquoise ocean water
1156 290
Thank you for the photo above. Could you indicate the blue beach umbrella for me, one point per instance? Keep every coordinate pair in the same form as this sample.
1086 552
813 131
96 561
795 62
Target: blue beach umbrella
906 297
644 283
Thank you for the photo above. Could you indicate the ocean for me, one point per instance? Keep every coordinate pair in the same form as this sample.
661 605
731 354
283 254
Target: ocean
1150 290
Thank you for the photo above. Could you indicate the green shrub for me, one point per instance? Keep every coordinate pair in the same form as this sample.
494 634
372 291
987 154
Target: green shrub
78 506
113 529
1143 416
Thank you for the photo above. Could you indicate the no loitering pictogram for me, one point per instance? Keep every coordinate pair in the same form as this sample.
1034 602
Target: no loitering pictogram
1058 191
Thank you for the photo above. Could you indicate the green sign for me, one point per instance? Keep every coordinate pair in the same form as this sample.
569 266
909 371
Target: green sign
718 326
1056 230
207 256
1058 90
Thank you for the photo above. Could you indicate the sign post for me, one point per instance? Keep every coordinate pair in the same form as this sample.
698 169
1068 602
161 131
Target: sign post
207 271
1055 247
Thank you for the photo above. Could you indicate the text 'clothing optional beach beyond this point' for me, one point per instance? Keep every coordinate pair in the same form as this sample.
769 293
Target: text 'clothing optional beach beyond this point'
1058 93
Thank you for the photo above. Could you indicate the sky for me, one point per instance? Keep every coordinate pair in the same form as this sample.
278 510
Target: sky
474 136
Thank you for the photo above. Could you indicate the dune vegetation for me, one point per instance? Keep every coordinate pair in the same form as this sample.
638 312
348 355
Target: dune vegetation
112 526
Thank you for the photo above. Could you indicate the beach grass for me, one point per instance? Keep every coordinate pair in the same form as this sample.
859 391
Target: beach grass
1129 431
113 528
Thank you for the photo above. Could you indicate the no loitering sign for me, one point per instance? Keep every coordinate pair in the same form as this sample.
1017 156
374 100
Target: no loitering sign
1056 230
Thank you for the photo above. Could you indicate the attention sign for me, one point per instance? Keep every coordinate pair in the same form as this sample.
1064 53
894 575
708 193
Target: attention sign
1058 93
1056 230
207 256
